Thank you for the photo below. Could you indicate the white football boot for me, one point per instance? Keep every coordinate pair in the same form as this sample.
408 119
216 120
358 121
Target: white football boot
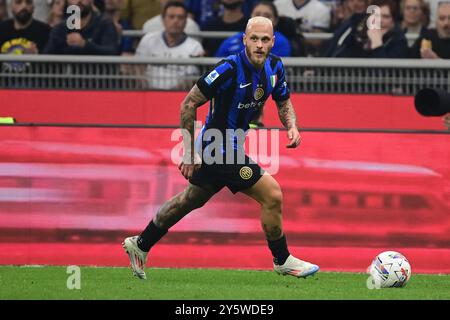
296 267
138 258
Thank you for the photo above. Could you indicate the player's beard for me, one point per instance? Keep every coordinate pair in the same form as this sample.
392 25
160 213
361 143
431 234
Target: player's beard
23 16
252 57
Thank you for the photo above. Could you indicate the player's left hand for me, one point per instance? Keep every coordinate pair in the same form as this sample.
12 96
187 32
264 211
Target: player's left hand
294 138
187 168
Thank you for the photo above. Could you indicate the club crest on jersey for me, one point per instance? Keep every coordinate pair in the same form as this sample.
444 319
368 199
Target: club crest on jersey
213 75
259 93
246 173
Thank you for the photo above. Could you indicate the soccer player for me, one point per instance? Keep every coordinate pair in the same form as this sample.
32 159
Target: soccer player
237 87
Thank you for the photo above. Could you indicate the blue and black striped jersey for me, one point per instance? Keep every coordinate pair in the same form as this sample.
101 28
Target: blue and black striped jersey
237 91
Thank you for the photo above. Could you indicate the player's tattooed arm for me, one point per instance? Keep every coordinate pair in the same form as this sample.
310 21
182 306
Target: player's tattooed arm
286 113
287 116
191 102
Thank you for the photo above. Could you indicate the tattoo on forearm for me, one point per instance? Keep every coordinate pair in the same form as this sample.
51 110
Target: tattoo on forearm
188 115
286 113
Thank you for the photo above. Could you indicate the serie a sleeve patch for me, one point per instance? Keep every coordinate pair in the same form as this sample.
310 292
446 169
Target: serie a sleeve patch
213 75
217 72
212 80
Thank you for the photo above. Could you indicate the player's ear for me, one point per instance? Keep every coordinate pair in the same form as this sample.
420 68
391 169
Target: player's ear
244 37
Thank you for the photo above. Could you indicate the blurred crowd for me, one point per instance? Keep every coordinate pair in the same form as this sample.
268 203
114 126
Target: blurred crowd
172 29
41 26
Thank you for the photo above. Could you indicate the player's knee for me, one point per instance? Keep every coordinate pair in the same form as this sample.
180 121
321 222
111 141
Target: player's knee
274 200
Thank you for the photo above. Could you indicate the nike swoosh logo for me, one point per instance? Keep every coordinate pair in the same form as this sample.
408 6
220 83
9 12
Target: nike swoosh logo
244 85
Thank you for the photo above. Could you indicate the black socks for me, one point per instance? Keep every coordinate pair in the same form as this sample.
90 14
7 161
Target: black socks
279 250
150 236
153 234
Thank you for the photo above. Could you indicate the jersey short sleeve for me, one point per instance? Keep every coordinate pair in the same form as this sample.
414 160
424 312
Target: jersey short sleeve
281 91
211 82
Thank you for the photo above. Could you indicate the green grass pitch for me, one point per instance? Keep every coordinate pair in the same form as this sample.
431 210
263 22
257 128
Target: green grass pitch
173 284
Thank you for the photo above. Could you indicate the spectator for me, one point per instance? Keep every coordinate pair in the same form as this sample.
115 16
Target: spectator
3 11
56 15
97 36
435 43
289 28
170 43
112 10
344 9
285 26
330 3
202 11
312 15
22 34
249 5
41 10
355 40
235 43
156 23
232 19
415 17
139 11
99 6
433 4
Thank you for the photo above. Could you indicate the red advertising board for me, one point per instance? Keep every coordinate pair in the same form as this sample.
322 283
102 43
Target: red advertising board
69 195
163 108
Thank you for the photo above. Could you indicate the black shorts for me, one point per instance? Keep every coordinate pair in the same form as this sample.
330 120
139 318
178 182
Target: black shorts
236 177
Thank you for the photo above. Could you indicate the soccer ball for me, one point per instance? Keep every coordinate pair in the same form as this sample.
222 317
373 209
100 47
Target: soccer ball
390 269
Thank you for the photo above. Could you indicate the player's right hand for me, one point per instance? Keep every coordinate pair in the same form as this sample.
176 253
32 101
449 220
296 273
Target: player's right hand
294 138
188 168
